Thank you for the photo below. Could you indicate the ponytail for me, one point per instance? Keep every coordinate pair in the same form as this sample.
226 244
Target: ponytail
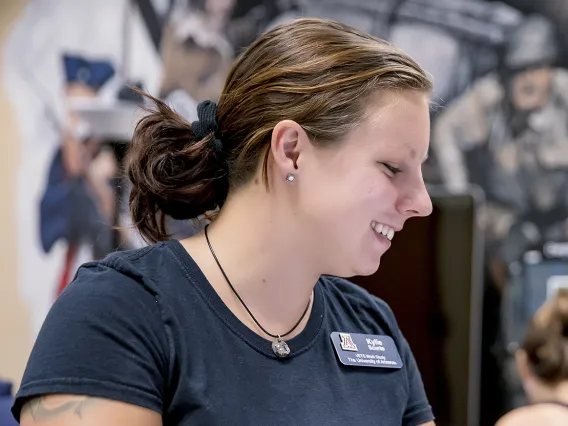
176 168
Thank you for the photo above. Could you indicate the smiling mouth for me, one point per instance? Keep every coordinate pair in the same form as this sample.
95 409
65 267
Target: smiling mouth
383 229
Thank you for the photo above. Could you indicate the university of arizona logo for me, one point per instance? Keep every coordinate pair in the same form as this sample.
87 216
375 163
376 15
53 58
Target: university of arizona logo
347 343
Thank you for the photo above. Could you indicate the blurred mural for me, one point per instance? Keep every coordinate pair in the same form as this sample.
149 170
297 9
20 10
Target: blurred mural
67 67
500 122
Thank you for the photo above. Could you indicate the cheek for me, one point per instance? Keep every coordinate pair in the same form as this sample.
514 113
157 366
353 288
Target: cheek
343 192
374 196
348 203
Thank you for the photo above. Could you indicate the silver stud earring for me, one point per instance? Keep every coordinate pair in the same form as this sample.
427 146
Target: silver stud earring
290 177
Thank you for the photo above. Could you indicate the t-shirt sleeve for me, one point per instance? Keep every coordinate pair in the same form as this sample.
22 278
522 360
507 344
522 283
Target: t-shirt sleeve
418 410
103 337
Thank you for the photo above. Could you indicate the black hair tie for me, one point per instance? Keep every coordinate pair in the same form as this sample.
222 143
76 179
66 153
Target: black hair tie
207 124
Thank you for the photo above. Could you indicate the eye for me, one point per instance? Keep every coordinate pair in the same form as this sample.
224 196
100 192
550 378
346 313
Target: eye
392 169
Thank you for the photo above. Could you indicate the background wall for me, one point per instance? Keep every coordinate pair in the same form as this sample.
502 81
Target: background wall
15 330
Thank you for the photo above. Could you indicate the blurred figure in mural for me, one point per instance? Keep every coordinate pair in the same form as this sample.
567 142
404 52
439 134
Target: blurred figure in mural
508 134
195 50
78 201
41 95
201 39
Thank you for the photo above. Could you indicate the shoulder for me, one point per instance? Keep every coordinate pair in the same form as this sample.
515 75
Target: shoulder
140 268
155 278
119 282
107 335
134 262
354 298
528 416
513 418
122 281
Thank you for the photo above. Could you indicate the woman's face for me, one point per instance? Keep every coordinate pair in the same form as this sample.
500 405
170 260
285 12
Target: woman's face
350 195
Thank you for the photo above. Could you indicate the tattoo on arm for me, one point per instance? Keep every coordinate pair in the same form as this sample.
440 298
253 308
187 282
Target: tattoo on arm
40 409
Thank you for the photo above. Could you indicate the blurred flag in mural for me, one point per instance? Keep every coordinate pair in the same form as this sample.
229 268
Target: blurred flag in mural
77 204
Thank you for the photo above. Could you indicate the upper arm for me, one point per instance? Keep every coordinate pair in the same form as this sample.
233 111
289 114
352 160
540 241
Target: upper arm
105 338
71 410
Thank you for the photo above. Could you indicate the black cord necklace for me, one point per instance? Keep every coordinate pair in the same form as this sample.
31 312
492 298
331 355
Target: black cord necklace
279 347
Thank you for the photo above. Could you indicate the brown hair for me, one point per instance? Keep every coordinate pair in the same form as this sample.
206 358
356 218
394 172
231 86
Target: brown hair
316 72
546 340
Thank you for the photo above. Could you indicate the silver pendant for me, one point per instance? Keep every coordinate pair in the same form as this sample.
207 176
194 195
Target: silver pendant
280 348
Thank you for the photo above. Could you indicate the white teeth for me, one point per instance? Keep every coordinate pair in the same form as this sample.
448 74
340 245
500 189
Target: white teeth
386 230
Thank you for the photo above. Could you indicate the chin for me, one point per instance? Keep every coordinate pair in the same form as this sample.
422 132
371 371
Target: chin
357 268
347 263
369 270
365 269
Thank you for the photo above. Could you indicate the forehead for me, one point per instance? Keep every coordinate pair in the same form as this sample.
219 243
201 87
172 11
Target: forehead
397 122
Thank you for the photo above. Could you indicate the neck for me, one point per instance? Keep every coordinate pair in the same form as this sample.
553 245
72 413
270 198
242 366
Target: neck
263 259
557 393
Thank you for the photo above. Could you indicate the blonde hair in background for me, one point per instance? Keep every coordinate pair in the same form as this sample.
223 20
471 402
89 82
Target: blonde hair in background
546 340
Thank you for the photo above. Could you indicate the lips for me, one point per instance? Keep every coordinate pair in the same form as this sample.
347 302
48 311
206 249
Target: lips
381 228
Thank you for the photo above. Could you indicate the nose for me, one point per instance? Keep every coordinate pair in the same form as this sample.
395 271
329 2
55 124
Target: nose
418 203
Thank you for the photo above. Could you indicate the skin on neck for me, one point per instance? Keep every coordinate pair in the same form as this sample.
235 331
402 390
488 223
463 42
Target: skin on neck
541 392
536 389
260 251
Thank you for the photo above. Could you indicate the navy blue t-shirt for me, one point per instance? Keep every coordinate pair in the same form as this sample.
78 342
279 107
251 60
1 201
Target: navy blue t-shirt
145 327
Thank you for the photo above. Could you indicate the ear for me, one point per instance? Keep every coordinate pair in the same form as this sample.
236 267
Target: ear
288 143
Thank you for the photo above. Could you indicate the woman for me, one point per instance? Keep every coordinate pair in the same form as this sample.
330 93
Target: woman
542 362
310 164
